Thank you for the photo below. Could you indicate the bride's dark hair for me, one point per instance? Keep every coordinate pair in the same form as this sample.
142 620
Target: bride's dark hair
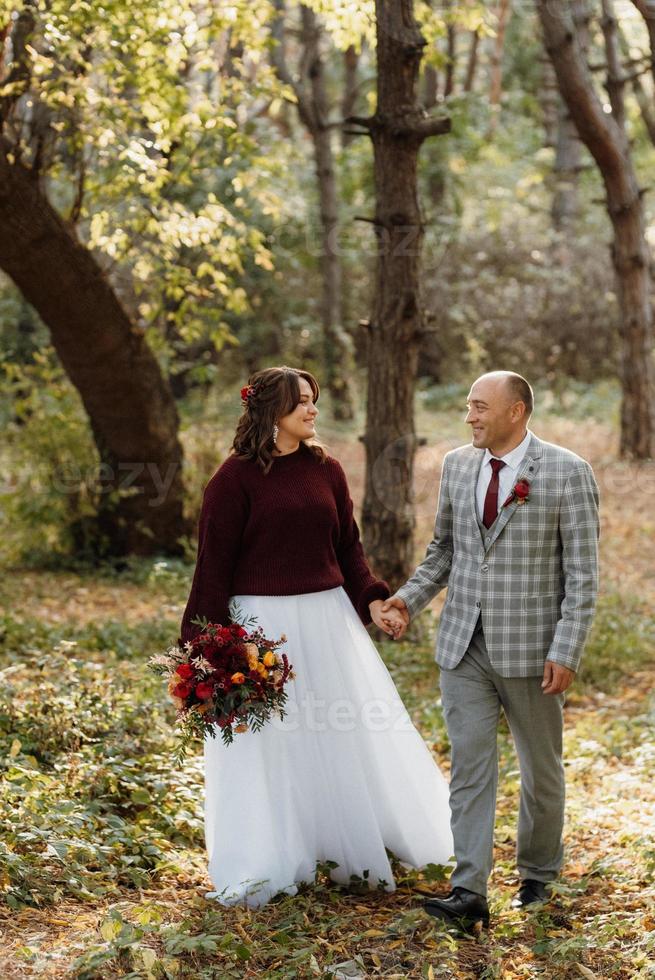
275 392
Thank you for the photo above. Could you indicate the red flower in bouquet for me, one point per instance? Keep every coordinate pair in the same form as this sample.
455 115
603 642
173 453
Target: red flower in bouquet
227 678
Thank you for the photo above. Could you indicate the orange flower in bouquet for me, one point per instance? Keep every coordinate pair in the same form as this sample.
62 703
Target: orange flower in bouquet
227 678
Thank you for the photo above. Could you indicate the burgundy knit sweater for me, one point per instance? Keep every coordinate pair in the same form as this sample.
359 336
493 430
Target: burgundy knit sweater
287 532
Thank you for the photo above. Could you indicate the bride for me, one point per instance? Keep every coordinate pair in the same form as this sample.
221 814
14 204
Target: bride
344 776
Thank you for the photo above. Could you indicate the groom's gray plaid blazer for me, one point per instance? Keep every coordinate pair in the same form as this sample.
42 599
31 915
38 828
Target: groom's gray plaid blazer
533 575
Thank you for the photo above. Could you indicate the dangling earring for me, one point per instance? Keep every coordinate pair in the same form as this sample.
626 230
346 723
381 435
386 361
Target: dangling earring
275 432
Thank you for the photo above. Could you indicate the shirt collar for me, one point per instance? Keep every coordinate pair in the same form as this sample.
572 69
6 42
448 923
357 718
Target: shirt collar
514 457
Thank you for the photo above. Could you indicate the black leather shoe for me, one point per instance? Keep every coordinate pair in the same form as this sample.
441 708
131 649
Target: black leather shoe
531 892
462 908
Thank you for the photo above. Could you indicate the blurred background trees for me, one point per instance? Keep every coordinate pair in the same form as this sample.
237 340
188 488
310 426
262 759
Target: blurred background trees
190 191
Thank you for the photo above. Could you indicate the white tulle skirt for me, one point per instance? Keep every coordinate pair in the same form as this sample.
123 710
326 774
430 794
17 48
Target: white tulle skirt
342 777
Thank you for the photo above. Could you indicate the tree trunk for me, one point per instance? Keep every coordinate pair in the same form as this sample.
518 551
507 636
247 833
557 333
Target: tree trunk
451 51
643 98
472 63
350 90
397 130
430 87
549 101
130 406
338 345
647 10
608 144
312 104
496 86
565 206
615 78
646 107
4 34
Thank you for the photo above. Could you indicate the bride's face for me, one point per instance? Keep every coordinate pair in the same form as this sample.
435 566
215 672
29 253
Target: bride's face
299 424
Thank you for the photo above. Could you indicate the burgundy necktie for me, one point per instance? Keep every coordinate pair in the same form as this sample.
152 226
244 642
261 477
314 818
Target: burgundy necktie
491 500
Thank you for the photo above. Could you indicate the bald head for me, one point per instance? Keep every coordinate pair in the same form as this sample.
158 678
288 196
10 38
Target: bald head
514 386
499 406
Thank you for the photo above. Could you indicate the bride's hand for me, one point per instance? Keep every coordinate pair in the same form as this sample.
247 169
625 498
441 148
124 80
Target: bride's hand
392 622
375 609
395 611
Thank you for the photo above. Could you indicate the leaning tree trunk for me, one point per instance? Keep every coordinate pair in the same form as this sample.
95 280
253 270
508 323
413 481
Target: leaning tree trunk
397 131
607 142
130 406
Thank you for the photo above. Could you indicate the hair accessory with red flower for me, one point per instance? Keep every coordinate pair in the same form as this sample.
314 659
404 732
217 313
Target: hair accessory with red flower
248 392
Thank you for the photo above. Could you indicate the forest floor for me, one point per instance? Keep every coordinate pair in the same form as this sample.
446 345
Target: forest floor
101 855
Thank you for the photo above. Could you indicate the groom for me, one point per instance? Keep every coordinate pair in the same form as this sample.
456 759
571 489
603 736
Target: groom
516 542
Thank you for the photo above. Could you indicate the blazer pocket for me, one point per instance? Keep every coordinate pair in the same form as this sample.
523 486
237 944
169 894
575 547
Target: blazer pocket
543 609
529 600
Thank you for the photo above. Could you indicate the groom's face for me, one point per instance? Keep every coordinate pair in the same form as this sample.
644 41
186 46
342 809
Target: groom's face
490 413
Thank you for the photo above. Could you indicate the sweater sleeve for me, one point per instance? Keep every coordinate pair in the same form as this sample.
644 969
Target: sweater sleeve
360 584
222 519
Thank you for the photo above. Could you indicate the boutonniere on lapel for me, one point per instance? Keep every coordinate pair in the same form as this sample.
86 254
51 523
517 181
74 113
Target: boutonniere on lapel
520 493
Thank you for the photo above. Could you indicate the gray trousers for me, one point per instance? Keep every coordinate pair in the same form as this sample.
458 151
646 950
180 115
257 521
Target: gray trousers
472 695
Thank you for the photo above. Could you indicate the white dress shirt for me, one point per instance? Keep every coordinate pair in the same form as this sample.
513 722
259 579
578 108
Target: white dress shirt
506 476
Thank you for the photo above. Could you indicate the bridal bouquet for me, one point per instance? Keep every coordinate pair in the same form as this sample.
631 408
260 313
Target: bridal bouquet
228 678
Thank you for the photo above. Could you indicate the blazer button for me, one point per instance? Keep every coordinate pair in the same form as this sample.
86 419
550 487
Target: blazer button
484 568
478 604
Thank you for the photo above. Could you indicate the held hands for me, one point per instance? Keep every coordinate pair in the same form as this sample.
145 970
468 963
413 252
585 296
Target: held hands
556 678
391 616
391 622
